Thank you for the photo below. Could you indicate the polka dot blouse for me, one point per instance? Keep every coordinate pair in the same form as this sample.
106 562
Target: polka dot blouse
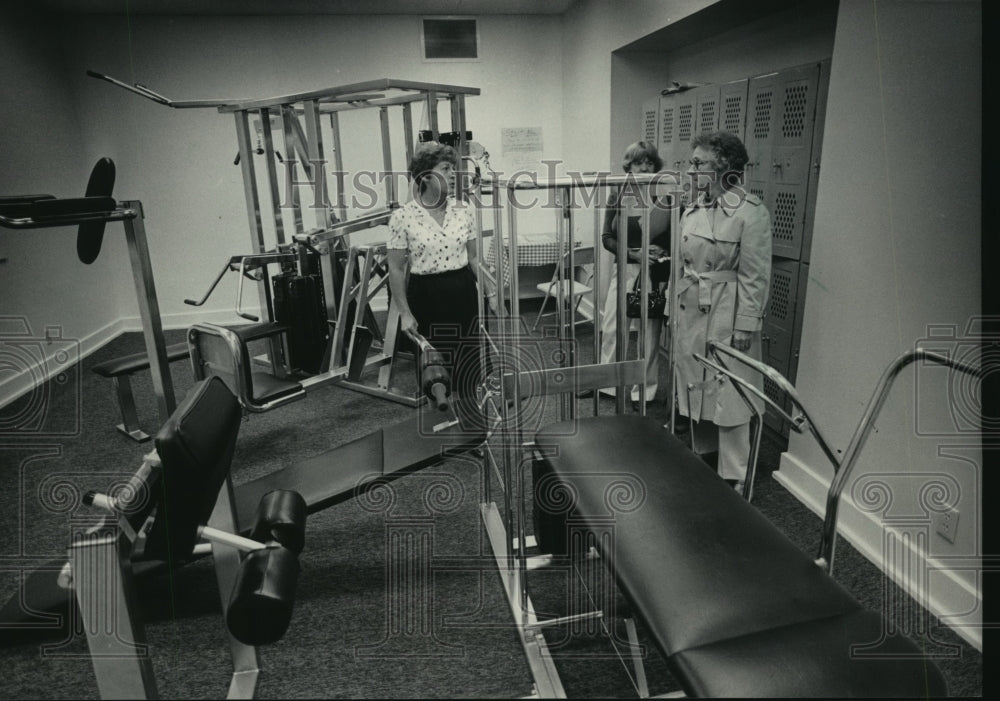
433 247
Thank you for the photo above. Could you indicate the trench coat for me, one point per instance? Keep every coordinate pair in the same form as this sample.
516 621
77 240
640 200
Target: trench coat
725 269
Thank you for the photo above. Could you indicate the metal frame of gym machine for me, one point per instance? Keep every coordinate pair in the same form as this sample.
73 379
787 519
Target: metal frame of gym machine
505 524
130 214
305 145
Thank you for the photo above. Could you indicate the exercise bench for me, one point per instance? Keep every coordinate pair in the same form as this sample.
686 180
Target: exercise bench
181 495
119 370
733 605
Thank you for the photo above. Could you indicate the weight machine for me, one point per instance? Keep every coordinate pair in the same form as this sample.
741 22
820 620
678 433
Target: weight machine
529 373
345 277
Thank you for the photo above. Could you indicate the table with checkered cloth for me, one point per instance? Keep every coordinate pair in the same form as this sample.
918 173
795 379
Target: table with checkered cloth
532 250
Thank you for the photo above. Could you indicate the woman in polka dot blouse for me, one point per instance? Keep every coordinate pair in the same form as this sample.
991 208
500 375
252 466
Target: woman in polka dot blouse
432 255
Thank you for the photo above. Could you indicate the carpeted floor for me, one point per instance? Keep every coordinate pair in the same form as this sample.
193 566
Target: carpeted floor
356 631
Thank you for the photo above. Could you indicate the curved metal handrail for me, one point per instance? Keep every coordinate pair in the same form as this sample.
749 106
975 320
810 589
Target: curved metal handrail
842 466
861 433
802 419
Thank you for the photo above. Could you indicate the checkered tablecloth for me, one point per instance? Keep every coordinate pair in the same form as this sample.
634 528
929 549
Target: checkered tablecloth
532 250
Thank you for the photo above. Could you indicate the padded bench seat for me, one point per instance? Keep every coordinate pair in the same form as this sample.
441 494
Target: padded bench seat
118 370
734 606
136 362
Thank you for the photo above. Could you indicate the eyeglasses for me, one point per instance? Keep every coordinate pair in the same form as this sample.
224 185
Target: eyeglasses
697 163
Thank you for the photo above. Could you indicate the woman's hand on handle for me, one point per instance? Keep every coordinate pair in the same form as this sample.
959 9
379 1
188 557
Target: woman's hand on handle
741 340
491 302
408 325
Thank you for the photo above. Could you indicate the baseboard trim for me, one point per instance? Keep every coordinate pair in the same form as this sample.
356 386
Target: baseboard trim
950 594
45 355
43 358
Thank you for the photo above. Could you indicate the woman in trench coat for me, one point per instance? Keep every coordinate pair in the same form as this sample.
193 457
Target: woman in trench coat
725 251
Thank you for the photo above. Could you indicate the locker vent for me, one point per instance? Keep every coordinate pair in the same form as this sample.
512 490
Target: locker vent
759 192
781 290
783 225
707 117
650 126
772 390
684 123
795 110
731 114
668 125
762 116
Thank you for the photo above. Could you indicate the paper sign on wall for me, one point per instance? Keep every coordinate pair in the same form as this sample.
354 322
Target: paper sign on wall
522 147
520 139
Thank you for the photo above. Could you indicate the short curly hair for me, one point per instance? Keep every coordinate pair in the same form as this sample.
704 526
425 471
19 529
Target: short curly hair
641 151
729 151
426 158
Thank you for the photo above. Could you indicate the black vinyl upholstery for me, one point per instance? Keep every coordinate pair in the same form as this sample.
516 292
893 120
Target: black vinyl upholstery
196 451
348 470
128 364
736 608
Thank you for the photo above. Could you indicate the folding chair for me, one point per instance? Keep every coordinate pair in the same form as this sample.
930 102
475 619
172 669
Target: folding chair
582 256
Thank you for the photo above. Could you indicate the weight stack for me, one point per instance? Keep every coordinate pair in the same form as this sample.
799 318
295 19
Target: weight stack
300 304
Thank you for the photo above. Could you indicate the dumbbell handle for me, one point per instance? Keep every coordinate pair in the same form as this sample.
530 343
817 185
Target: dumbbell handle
423 343
237 541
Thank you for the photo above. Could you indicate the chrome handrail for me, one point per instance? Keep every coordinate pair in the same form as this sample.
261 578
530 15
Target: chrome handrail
842 467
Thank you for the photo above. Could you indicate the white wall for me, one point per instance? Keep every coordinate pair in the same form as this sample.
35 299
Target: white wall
43 150
592 30
895 251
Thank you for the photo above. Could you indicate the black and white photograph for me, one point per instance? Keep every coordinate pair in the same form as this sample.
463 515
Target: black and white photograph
495 349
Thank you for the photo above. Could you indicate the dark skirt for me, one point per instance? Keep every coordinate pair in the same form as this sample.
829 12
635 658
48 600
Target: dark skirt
446 308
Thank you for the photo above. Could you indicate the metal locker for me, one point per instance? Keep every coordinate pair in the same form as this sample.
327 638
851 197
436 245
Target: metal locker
707 109
733 107
779 116
778 333
771 417
822 89
791 152
779 319
761 118
665 145
650 126
684 128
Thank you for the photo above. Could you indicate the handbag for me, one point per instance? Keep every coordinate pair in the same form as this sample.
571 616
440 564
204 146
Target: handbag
656 302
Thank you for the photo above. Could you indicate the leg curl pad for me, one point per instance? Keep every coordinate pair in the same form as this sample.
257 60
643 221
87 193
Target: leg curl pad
281 518
260 607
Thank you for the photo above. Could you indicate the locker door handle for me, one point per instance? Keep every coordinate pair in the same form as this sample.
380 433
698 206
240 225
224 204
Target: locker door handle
816 165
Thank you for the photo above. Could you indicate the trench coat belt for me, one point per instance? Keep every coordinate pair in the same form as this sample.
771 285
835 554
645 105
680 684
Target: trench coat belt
705 281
